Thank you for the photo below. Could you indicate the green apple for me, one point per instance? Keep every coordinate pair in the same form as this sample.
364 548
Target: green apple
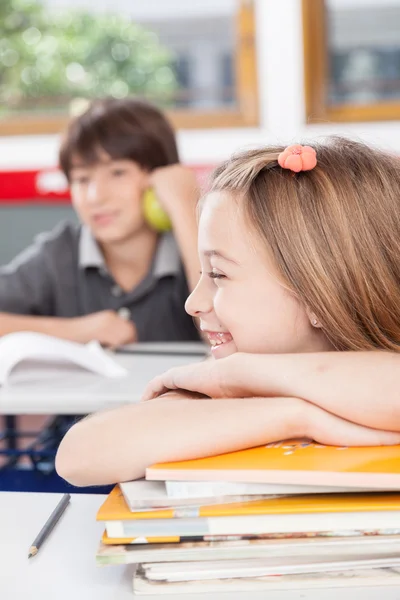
154 213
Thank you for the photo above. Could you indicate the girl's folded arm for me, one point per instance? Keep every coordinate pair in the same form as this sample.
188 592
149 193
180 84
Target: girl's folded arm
118 445
363 387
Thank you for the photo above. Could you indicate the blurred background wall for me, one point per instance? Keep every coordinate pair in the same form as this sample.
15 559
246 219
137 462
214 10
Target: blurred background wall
232 74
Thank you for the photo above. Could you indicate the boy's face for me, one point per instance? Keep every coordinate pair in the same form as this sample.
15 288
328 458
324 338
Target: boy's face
107 196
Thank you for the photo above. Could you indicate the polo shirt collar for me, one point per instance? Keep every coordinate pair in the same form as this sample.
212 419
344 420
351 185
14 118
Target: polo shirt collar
166 260
89 254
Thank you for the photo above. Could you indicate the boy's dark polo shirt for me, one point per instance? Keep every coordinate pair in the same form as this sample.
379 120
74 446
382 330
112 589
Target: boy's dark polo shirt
63 274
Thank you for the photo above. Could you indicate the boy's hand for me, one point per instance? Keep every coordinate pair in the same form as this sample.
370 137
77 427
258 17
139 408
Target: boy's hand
107 327
176 187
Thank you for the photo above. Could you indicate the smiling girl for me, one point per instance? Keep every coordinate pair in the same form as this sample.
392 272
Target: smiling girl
299 295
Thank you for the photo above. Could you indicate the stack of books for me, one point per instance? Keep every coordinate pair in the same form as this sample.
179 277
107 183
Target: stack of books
294 515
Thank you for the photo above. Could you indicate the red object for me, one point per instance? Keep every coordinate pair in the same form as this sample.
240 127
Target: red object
49 185
45 185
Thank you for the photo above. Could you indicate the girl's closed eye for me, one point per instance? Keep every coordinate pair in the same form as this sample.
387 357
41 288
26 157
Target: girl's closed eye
216 275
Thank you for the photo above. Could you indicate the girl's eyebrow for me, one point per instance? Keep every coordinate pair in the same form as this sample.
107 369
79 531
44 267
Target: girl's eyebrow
219 254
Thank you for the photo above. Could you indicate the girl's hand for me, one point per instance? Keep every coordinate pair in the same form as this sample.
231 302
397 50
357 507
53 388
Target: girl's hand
211 378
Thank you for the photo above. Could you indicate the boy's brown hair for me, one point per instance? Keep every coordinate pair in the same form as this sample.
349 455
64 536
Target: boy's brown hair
125 129
334 233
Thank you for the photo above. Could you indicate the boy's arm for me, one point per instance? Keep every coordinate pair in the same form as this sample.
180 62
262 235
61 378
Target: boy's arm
63 328
27 290
26 286
105 326
118 445
185 232
177 189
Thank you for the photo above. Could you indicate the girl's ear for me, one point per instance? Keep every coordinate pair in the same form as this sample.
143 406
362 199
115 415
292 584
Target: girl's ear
313 319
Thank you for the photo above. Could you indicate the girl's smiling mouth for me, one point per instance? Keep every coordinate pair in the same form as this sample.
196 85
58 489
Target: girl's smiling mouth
219 340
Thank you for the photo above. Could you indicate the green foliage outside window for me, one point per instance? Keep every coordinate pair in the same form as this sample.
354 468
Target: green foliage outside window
49 57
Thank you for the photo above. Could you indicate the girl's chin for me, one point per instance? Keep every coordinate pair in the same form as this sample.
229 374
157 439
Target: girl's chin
223 350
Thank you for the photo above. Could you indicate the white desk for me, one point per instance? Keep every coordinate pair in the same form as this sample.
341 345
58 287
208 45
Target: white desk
69 390
65 567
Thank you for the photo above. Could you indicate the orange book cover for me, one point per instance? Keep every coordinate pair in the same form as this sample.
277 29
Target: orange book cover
292 462
115 508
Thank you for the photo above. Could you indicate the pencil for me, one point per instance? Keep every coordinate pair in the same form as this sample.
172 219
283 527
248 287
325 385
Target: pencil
49 525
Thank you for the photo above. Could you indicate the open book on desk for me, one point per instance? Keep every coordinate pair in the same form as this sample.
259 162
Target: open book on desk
38 348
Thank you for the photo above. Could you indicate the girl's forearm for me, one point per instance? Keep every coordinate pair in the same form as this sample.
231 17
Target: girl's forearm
363 387
118 445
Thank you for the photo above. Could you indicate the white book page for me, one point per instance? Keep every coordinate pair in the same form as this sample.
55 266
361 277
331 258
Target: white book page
197 489
306 582
142 495
188 571
41 348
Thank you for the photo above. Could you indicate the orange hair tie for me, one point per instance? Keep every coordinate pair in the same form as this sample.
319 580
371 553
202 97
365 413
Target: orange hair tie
298 158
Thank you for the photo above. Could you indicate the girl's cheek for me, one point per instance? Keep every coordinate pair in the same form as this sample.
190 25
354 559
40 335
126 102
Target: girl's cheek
223 304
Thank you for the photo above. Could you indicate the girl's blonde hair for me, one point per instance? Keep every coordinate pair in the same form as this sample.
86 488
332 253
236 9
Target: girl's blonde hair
334 232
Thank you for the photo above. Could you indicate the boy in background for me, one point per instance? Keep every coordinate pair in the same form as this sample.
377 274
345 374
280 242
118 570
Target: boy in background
113 278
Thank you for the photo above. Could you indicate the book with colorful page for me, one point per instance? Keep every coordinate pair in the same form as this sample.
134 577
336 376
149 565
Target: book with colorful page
124 541
329 547
292 462
374 511
211 539
172 541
